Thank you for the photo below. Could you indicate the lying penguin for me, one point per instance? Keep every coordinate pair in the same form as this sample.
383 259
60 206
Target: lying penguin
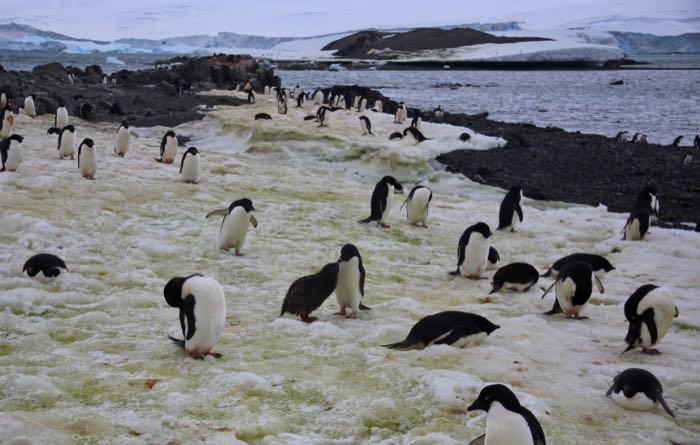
308 293
44 267
516 277
637 389
234 226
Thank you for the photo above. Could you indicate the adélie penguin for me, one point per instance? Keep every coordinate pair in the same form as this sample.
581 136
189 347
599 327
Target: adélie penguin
510 213
61 118
189 166
202 313
517 277
7 122
573 289
66 140
121 145
416 134
417 204
637 389
453 328
350 288
168 148
493 259
599 264
382 197
365 125
44 267
650 311
507 421
29 108
11 153
87 158
473 251
308 293
234 226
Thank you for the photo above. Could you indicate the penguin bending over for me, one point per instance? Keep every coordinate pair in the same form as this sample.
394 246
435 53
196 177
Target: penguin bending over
234 226
350 288
493 259
458 329
473 251
49 265
189 166
464 137
308 293
638 390
202 313
11 153
87 158
382 197
366 125
416 134
417 204
650 311
66 140
516 277
7 122
29 108
573 289
510 213
262 116
168 148
600 265
507 421
121 146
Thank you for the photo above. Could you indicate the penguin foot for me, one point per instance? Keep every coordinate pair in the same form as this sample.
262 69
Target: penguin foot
214 354
238 253
384 225
307 319
651 351
341 313
352 315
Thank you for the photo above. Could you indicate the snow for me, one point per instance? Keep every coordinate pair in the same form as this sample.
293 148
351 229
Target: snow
86 358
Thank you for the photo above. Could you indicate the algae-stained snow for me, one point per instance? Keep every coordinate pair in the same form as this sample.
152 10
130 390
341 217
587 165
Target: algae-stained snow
87 360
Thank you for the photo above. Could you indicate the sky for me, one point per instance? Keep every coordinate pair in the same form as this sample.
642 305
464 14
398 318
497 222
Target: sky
113 19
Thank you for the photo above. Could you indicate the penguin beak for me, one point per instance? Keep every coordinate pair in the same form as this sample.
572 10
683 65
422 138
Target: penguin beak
475 406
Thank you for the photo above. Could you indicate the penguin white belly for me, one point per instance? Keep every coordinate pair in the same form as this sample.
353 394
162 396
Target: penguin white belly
190 169
348 289
565 293
664 313
476 255
8 126
170 150
504 427
632 232
318 98
44 279
88 162
14 157
638 402
234 229
122 144
67 147
29 109
516 287
389 201
61 117
209 313
417 208
470 340
515 220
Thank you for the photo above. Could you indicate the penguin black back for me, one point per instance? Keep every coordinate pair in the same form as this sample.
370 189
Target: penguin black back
367 123
597 263
521 275
509 206
5 147
677 141
260 116
632 381
395 135
417 135
47 263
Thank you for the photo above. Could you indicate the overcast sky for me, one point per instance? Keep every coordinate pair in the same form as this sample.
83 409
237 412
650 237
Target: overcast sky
113 19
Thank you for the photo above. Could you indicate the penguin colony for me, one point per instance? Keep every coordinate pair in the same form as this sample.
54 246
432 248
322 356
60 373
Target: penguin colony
200 300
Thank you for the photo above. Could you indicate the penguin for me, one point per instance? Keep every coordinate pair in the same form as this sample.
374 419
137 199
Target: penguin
202 313
49 265
308 293
67 139
400 115
573 289
638 390
29 108
87 158
688 160
416 121
454 328
262 116
493 258
168 148
464 137
510 214
417 135
86 111
121 145
348 102
696 142
600 265
635 138
356 103
642 139
311 117
3 100
366 125
11 153
507 421
189 166
395 135
378 105
104 80
363 105
322 116
71 78
251 97
7 122
637 225
677 141
647 199
517 277
382 197
297 92
621 137
282 106
650 311
234 226
473 251
417 204
61 118
318 97
439 113
266 90
300 100
340 102
350 288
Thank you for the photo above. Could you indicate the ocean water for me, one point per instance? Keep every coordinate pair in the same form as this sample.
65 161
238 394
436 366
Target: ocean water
86 359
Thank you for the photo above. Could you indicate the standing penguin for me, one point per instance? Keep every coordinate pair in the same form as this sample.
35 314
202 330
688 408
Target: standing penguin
494 258
363 105
300 99
599 264
621 137
365 125
49 265
677 141
573 289
61 118
637 389
251 96
29 108
297 92
3 100
7 122
66 140
282 106
458 329
382 196
11 153
322 116
507 421
121 145
696 142
168 148
87 158
350 288
439 113
378 105
308 293
417 204
189 166
642 139
234 226
202 313
400 115
517 277
356 103
510 213
650 311
416 121
473 251
318 97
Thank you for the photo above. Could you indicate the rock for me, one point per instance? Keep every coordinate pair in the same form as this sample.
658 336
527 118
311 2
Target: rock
51 69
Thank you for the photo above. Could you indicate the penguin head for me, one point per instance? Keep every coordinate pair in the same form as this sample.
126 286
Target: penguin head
173 291
170 133
88 142
495 393
607 265
192 151
517 190
125 124
31 269
483 229
246 203
348 252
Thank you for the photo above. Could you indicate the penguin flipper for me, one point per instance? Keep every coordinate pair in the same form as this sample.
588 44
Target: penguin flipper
450 338
365 308
177 341
481 440
548 289
663 403
519 210
404 345
220 212
648 319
